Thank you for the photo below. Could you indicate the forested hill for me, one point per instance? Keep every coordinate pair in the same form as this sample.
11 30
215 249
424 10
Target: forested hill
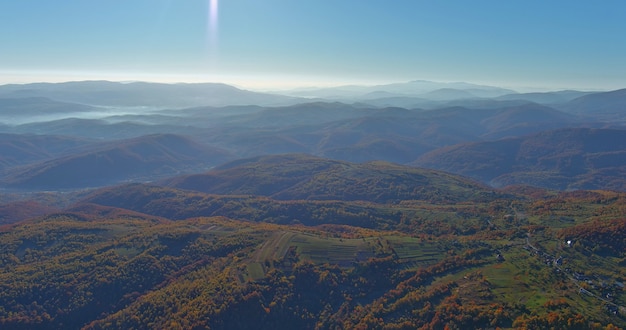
296 176
551 262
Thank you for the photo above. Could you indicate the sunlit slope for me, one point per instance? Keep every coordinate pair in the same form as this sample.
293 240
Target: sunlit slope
107 268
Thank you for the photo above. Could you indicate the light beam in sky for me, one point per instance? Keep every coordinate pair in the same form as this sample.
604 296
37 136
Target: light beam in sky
213 14
213 26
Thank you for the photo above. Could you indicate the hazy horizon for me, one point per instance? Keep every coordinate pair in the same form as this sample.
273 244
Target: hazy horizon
278 86
273 45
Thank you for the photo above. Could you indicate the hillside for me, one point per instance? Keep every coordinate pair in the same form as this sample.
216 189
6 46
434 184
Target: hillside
143 158
561 159
295 177
104 267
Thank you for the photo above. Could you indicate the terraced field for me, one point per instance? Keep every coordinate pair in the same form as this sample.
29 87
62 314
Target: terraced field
412 252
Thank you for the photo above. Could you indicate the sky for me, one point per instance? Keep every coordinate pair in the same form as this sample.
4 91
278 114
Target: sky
272 44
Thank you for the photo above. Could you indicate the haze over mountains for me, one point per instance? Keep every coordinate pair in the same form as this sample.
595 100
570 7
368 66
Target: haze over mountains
417 88
71 121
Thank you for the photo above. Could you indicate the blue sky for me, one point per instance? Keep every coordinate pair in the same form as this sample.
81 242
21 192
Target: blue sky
284 43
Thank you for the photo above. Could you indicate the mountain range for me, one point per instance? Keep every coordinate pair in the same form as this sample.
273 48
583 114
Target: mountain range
417 88
61 133
415 205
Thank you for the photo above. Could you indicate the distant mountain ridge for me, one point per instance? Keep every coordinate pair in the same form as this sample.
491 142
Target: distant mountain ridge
545 97
144 94
417 88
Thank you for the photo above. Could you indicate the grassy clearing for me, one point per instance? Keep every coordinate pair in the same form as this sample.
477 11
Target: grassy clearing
255 271
275 247
340 251
127 252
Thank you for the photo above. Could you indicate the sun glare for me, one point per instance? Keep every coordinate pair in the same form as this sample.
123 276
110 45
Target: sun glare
213 20
212 33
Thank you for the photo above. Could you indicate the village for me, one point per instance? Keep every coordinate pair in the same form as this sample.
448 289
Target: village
592 285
